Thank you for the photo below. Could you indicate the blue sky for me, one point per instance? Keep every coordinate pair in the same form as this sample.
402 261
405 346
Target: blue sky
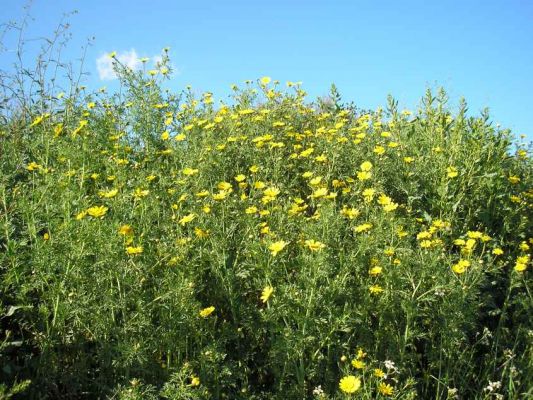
482 50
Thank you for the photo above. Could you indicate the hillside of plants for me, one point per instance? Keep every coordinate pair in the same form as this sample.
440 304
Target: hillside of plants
173 245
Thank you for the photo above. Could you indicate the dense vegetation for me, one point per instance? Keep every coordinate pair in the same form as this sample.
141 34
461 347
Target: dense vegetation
158 245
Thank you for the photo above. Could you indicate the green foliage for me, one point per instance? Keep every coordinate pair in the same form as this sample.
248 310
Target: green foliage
392 246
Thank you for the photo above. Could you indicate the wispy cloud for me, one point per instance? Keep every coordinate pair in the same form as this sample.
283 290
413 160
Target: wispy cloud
157 59
104 63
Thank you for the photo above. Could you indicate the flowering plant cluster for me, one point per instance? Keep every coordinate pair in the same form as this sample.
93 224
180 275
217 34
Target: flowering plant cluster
160 245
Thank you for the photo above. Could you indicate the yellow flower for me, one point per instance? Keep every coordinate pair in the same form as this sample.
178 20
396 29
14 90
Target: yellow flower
358 364
141 193
423 235
224 186
314 245
401 232
362 228
350 213
315 181
376 270
206 312
186 219
523 259
221 195
426 244
360 354
379 150
521 263
461 266
485 238
199 232
350 384
470 243
364 175
165 135
387 203
378 373
195 381
82 124
390 207
46 236
266 293
97 211
203 193
276 247
180 137
368 194
271 192
122 161
265 80
240 178
253 169
108 194
265 230
385 389
189 171
366 166
375 289
33 166
514 179
384 200
451 172
38 120
321 192
497 251
474 234
389 252
134 250
520 267
251 210
125 230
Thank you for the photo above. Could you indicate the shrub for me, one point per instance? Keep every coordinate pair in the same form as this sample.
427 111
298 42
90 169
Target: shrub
155 245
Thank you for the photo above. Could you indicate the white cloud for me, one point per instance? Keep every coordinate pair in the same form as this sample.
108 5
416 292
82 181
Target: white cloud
104 63
157 59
